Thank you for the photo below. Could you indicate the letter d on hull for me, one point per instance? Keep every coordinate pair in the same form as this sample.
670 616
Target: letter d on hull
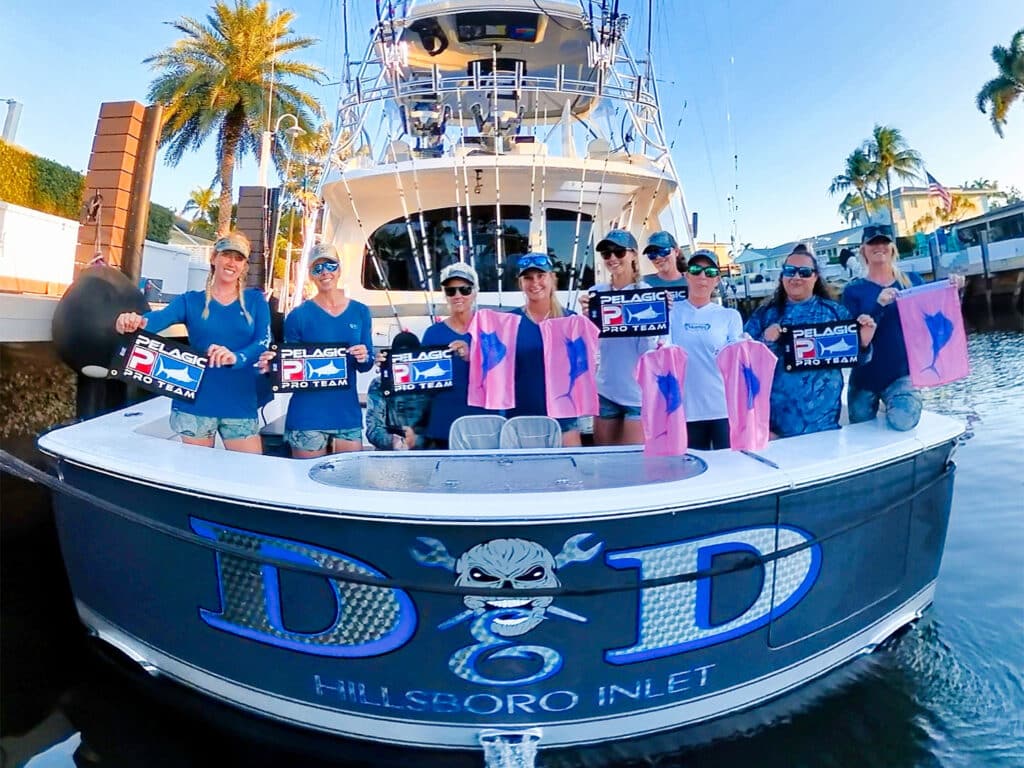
675 618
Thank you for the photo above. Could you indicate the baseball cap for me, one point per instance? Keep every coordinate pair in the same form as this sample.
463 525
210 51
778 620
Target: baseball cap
617 238
323 252
405 341
704 253
660 241
459 269
530 261
235 241
876 232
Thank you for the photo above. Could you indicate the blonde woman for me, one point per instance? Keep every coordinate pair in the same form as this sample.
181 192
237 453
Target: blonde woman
538 284
231 324
618 422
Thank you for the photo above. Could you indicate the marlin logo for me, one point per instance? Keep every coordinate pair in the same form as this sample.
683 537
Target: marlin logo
174 374
838 347
428 373
324 371
644 314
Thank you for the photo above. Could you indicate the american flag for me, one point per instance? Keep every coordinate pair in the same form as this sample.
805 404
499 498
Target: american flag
937 190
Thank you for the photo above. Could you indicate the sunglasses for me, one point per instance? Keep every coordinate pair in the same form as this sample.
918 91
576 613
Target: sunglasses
534 261
324 266
708 271
659 253
790 271
618 253
451 290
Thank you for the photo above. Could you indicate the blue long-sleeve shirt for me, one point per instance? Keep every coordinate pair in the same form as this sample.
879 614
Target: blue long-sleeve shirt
531 391
449 404
226 392
889 358
337 408
802 401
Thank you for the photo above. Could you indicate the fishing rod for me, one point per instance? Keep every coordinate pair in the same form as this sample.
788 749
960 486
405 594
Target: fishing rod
413 247
465 182
427 256
499 239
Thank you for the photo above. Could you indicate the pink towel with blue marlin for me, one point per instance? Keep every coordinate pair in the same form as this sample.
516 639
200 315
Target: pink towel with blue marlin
748 368
570 360
933 332
660 373
492 360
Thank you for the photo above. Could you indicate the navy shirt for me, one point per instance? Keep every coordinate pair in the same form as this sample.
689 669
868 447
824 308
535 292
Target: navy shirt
531 392
226 392
889 351
449 404
336 408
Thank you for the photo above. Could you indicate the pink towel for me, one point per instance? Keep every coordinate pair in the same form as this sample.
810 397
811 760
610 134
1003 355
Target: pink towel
660 373
933 330
748 368
492 360
570 359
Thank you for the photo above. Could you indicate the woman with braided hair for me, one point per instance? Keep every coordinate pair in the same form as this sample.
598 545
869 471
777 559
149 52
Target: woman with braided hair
231 326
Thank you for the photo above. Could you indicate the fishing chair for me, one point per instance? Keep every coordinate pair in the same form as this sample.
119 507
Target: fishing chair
531 432
475 432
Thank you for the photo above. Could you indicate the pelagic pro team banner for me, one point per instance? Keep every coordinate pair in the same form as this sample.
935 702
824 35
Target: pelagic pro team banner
159 365
305 367
635 312
933 332
814 346
419 370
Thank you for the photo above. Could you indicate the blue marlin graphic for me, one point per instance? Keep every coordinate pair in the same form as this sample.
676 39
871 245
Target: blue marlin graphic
753 386
492 352
668 386
576 352
940 328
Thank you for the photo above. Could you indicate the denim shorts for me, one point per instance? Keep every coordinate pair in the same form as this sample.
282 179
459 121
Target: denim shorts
317 439
204 427
612 410
902 404
568 424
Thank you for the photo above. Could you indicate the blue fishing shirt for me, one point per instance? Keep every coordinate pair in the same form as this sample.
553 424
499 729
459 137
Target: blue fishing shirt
337 408
449 404
889 351
226 392
802 401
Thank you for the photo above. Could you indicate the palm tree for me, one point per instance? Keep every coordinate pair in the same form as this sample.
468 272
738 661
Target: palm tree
201 201
1006 87
858 175
890 154
229 77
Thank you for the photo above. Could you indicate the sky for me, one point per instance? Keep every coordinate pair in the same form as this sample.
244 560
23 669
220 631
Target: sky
762 101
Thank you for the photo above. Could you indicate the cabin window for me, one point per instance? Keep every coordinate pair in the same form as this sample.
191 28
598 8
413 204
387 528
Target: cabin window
495 25
400 255
1006 228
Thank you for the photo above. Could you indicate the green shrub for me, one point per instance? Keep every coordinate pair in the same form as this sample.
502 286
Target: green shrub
41 184
158 228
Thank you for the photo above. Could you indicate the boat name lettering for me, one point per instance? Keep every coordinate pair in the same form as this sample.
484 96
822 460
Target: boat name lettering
676 617
648 688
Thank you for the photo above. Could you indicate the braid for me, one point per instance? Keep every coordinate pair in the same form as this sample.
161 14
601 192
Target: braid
209 294
241 294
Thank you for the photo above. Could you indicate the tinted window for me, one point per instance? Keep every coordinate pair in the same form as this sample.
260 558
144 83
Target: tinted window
1006 228
400 255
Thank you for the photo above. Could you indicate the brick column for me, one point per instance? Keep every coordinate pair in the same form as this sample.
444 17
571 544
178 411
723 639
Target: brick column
111 173
251 218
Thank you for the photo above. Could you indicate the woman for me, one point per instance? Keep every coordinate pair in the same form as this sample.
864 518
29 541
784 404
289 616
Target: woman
459 281
804 401
663 251
886 377
537 282
702 327
398 422
618 422
328 418
232 324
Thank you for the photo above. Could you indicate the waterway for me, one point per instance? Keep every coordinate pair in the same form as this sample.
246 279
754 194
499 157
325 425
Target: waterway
948 693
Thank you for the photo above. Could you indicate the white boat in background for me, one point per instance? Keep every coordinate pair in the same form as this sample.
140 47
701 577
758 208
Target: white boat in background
492 602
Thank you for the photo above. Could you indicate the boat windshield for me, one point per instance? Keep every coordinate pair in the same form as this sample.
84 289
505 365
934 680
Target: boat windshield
503 472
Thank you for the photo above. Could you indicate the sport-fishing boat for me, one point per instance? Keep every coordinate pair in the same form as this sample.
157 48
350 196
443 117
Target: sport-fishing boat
526 598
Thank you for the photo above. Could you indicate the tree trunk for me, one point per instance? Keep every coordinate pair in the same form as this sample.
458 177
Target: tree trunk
892 209
232 135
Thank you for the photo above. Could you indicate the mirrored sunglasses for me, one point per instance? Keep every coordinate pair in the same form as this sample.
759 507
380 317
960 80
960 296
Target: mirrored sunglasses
791 271
537 261
324 266
708 271
618 253
658 253
451 290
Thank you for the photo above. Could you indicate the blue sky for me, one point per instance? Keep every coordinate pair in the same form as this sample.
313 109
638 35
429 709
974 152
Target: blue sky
788 87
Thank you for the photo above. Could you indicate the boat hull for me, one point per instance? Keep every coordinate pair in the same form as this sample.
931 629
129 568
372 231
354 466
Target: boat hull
601 629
